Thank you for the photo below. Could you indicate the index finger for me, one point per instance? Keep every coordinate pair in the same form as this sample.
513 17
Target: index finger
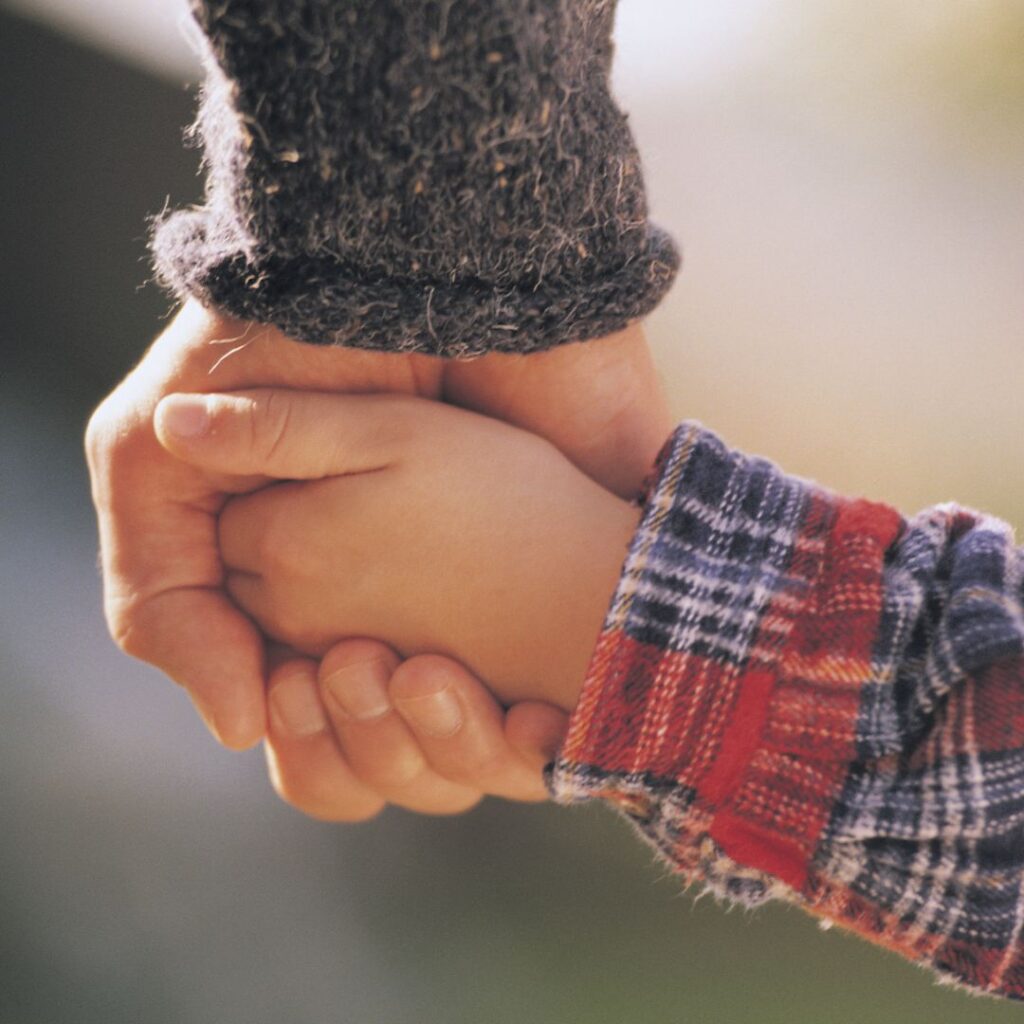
198 638
162 576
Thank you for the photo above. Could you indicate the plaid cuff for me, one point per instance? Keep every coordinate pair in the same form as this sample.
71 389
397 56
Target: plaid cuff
684 721
803 696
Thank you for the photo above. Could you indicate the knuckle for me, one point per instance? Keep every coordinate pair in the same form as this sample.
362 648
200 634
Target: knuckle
284 556
119 450
282 623
400 429
269 422
107 434
272 549
288 620
286 550
475 766
359 651
403 772
123 622
316 792
421 676
97 431
396 436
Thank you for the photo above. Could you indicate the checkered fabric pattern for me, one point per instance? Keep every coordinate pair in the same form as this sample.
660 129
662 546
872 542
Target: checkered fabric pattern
802 696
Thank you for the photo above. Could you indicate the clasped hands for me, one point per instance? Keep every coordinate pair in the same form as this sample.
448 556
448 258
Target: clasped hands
482 525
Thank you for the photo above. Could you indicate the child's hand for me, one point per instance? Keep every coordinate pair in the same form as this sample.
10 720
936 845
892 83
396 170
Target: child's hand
599 402
432 528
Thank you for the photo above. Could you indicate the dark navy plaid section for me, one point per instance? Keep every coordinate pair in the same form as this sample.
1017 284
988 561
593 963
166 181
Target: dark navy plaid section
937 887
952 605
941 845
935 833
716 549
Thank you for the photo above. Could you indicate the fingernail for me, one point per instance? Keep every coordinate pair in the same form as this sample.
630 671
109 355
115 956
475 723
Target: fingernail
186 417
360 690
437 714
295 709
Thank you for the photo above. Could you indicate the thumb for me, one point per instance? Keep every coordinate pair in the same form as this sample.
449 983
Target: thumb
284 435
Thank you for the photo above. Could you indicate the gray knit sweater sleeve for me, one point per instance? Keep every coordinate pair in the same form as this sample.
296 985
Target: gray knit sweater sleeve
443 176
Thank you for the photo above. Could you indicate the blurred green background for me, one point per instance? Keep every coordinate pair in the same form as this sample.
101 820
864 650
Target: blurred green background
845 176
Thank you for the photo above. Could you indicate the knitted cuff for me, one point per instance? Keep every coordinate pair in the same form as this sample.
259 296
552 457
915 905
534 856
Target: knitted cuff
441 176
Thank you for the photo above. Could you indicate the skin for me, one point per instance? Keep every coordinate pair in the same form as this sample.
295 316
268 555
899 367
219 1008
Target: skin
432 527
338 769
162 574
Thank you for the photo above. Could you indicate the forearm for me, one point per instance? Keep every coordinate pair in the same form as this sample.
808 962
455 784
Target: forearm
802 696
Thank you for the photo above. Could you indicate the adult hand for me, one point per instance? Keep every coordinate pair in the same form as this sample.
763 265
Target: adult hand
428 737
599 402
157 516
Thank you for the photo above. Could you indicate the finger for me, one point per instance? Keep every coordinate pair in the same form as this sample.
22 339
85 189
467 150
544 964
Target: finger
599 402
288 435
249 591
536 731
161 576
156 513
243 527
261 531
460 729
376 742
306 766
203 643
279 654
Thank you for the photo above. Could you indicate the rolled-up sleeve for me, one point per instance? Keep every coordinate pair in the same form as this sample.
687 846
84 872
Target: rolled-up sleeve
801 696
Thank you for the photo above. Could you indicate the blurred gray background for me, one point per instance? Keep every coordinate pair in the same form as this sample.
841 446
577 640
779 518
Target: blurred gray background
845 176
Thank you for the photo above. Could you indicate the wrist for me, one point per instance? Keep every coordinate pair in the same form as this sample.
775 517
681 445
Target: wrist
599 402
581 590
596 596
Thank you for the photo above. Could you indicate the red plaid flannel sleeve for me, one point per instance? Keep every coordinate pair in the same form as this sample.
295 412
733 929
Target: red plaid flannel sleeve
801 696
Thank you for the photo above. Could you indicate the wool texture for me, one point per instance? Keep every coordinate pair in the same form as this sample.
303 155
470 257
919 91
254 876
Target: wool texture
441 176
801 696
